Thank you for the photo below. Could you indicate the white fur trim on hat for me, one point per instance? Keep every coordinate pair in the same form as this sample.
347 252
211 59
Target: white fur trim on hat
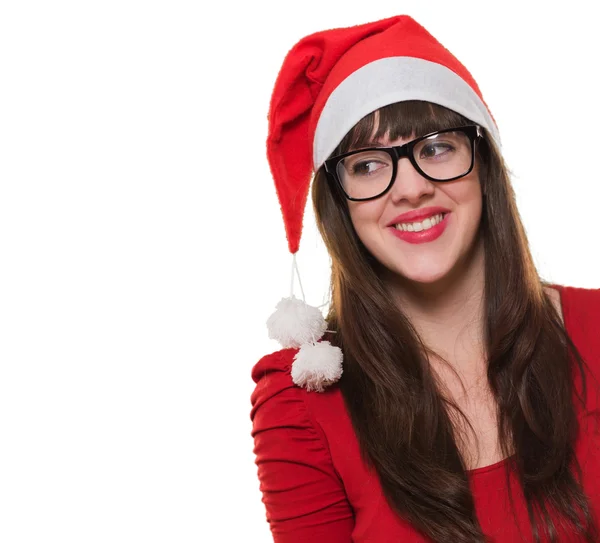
389 80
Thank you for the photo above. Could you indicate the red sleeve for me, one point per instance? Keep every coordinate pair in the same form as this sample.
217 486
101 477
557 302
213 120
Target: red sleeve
303 495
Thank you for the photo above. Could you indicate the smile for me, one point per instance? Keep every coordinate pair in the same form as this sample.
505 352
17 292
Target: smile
428 223
421 232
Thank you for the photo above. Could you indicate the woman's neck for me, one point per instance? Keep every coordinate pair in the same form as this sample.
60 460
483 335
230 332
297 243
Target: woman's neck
449 315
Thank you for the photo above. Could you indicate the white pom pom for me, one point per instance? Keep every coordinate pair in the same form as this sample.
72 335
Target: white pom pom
317 365
295 322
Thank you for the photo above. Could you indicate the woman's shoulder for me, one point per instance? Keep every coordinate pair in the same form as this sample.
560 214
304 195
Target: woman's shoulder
275 371
276 390
272 375
579 307
302 489
583 302
581 311
279 362
318 422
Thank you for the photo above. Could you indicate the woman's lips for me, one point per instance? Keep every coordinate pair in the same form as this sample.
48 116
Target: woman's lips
423 236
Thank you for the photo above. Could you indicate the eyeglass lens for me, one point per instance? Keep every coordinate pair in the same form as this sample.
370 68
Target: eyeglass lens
442 157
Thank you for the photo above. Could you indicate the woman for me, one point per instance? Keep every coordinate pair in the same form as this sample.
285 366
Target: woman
454 394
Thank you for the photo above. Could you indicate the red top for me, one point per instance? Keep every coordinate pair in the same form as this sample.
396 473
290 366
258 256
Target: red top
317 489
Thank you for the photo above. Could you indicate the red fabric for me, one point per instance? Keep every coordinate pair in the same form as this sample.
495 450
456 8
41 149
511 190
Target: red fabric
316 488
311 70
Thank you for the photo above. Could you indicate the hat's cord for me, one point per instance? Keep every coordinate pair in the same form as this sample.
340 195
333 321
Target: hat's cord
297 270
295 267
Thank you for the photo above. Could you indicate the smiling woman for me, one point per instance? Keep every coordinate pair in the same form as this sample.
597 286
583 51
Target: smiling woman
445 395
406 246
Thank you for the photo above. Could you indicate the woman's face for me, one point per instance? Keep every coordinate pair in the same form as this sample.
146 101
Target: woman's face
420 262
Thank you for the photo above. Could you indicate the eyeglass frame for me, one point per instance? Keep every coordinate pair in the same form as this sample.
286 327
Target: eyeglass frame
473 131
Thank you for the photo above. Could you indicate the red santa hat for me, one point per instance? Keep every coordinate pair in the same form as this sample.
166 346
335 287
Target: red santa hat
328 82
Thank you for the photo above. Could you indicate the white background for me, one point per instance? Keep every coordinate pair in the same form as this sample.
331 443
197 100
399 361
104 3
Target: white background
142 247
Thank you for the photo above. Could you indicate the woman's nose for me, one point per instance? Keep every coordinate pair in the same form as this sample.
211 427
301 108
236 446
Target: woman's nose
409 182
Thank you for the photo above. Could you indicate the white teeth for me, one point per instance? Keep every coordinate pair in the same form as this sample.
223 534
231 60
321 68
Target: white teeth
418 226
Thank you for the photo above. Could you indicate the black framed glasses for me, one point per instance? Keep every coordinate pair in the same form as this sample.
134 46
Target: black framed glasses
445 155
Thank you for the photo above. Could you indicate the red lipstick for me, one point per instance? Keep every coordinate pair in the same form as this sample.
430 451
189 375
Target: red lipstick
423 236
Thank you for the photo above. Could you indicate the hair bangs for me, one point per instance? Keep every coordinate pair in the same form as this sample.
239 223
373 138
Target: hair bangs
413 118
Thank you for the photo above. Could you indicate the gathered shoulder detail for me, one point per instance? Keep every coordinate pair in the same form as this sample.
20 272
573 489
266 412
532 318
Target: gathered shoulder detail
304 497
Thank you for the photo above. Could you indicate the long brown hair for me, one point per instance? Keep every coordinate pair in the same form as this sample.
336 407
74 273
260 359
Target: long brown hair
402 421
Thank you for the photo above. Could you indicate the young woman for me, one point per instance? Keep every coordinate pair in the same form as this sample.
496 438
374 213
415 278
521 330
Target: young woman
454 393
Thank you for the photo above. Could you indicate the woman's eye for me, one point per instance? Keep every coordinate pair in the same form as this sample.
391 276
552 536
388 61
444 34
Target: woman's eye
434 150
366 167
